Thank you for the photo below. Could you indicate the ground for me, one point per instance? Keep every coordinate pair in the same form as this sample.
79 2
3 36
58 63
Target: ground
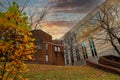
49 72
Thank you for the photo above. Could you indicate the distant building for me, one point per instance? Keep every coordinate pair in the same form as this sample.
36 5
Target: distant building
47 51
86 40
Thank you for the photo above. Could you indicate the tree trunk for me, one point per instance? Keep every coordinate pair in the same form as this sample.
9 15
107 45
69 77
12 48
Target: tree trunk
112 43
119 41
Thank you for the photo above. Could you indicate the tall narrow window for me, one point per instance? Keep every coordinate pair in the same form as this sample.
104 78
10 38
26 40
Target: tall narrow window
74 37
78 29
46 58
86 26
77 54
71 55
39 43
98 16
67 60
83 27
58 49
46 46
85 55
68 42
92 47
93 21
55 48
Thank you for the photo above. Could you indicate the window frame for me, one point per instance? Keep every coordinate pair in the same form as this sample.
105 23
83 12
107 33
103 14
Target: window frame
59 49
39 43
46 46
46 58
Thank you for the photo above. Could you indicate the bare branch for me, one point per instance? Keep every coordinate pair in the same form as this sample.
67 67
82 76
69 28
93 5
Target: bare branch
41 16
25 5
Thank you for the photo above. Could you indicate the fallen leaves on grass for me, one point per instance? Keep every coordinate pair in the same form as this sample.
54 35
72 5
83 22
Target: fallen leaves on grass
50 72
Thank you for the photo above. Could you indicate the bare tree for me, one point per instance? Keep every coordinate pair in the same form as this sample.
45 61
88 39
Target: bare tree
108 21
36 17
5 4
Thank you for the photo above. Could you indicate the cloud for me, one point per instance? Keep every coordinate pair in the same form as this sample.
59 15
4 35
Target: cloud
56 31
76 6
57 28
64 14
59 23
73 10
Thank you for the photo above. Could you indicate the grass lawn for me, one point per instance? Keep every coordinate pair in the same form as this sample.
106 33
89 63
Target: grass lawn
49 72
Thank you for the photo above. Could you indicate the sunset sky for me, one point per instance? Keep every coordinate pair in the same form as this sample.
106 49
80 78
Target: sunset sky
62 15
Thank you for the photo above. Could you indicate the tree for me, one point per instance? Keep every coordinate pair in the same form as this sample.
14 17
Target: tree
16 44
37 17
5 4
108 21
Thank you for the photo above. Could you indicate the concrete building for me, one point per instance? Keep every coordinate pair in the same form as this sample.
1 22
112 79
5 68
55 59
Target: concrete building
47 51
87 40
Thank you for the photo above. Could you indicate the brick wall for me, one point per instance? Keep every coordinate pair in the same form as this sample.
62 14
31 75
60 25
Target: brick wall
46 53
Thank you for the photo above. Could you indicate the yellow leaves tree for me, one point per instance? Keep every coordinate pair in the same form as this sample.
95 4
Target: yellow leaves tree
16 44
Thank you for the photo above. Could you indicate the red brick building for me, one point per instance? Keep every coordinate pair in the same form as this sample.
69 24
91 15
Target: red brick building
58 51
47 51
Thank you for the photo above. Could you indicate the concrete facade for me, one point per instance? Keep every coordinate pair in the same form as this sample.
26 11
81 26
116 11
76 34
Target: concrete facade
87 40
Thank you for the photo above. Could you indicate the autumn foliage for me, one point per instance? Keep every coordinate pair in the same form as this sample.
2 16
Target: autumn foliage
16 44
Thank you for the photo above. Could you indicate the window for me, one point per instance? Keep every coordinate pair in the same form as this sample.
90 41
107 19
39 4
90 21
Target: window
74 37
39 43
77 54
98 16
79 29
66 42
92 47
85 55
67 60
55 48
84 44
46 58
93 21
86 26
83 28
46 46
58 49
71 55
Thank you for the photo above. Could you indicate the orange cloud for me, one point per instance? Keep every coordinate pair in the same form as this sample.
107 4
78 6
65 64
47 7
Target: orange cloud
56 30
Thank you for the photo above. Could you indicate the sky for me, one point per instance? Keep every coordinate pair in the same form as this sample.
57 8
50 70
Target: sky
62 15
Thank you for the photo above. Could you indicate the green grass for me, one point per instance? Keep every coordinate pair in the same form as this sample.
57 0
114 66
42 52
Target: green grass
49 72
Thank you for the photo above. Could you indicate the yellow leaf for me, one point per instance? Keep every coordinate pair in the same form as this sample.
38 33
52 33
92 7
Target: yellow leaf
0 77
29 57
10 78
1 67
